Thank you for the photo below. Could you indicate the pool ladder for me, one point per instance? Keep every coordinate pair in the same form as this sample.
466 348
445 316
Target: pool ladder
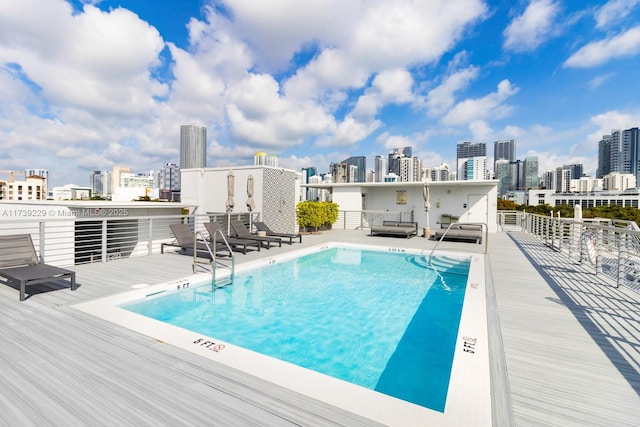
215 263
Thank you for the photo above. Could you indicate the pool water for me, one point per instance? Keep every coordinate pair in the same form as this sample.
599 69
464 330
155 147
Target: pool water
377 319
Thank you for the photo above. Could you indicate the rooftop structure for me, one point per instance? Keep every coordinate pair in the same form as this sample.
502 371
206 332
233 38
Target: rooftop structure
560 336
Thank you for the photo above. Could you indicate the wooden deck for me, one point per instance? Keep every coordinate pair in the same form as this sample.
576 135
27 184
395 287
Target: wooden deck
571 350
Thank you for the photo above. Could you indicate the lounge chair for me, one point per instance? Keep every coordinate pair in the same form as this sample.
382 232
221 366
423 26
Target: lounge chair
19 262
261 226
243 232
187 241
239 244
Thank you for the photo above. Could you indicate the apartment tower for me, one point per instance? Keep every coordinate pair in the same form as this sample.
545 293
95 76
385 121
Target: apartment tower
193 146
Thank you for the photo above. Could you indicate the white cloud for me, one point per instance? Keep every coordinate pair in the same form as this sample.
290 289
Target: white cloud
388 87
613 11
261 116
600 52
611 120
349 131
385 35
598 81
441 98
535 26
489 106
481 131
97 61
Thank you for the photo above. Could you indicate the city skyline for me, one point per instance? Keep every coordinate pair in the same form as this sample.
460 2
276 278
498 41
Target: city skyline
94 84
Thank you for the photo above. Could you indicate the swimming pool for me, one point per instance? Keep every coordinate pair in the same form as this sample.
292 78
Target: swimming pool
466 398
381 320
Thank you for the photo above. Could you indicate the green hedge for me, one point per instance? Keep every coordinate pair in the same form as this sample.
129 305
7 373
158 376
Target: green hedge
316 214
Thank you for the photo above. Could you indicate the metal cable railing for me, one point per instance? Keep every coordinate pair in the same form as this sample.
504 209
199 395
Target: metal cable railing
610 247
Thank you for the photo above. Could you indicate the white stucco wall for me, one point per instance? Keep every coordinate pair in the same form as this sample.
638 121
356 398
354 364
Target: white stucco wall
471 201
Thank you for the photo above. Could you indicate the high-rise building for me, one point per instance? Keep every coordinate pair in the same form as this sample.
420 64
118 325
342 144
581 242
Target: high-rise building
168 182
472 168
394 158
380 168
503 174
465 166
631 153
360 162
531 177
441 172
262 159
549 180
96 183
562 180
193 146
410 169
505 149
610 154
466 149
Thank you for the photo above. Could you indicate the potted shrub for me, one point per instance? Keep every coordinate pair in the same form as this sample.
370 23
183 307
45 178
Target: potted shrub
316 215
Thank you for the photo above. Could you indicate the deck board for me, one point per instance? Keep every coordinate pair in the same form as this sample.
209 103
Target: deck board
570 340
570 355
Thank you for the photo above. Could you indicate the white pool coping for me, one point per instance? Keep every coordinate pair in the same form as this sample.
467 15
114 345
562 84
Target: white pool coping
469 396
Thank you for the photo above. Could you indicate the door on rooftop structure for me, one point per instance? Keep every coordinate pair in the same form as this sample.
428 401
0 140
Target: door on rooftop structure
477 208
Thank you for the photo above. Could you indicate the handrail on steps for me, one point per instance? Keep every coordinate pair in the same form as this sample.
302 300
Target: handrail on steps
212 253
485 234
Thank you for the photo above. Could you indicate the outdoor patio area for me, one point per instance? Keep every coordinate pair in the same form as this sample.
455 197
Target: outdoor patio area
565 349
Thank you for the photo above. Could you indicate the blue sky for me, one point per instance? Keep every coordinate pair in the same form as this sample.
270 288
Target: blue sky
92 84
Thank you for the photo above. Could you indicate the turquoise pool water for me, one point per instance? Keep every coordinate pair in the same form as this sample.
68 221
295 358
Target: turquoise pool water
377 319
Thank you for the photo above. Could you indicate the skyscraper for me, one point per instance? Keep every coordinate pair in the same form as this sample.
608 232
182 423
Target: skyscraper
471 160
631 153
168 181
380 168
193 146
466 149
609 154
394 158
504 150
531 177
361 163
97 184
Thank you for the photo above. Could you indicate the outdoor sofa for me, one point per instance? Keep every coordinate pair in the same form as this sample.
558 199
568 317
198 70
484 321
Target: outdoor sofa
396 228
459 231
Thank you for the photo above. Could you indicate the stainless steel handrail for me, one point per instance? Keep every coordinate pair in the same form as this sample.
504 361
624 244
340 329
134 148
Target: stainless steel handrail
214 262
485 234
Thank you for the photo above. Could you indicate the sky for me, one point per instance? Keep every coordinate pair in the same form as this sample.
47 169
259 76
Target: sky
89 85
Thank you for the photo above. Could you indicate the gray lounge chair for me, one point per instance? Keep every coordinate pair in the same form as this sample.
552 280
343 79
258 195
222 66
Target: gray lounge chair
235 243
19 262
261 226
187 241
243 232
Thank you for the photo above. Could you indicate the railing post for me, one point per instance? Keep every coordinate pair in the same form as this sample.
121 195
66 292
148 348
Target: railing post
150 239
41 233
620 260
104 241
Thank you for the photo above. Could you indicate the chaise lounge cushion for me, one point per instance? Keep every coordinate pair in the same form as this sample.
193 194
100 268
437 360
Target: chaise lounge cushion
460 231
396 228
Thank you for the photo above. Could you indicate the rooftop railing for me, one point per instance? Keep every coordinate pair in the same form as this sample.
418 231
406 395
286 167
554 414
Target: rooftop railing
610 248
65 242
